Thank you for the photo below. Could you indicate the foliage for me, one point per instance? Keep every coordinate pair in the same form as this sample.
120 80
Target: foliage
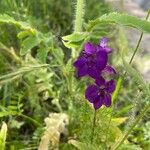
37 78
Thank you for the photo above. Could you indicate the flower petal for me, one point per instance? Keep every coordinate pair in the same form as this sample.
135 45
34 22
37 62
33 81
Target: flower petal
110 86
101 60
89 48
98 103
100 81
109 69
103 42
93 72
80 62
82 71
91 93
107 100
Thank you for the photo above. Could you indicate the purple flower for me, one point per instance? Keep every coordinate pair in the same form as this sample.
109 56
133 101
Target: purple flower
91 62
103 45
109 70
100 93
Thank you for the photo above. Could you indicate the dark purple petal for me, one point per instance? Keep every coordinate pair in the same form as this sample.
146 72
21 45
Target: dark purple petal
107 100
100 81
103 42
91 93
110 86
89 48
93 72
109 69
82 71
101 60
98 103
80 62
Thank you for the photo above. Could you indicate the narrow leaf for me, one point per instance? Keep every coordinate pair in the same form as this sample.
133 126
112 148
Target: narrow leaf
3 134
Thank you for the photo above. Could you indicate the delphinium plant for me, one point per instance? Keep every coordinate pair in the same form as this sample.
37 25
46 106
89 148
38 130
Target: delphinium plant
79 91
92 62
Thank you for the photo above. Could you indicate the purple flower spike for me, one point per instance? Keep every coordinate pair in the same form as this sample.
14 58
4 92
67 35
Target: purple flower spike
103 44
100 94
91 62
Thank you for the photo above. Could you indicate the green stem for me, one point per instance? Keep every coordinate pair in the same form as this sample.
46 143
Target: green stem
79 16
93 126
31 120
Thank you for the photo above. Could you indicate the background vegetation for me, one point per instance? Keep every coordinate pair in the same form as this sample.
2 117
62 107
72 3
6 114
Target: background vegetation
42 103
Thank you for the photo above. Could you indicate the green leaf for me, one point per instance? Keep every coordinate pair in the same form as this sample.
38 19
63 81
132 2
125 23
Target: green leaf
4 18
74 40
23 34
59 55
42 54
28 44
3 134
121 19
82 146
75 45
117 90
75 37
7 113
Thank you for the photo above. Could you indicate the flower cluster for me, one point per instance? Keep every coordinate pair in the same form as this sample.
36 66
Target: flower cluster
93 62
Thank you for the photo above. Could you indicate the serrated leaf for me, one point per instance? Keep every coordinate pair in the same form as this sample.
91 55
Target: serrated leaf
121 19
28 44
75 37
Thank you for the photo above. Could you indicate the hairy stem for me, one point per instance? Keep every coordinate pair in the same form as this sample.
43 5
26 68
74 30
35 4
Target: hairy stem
93 126
79 16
